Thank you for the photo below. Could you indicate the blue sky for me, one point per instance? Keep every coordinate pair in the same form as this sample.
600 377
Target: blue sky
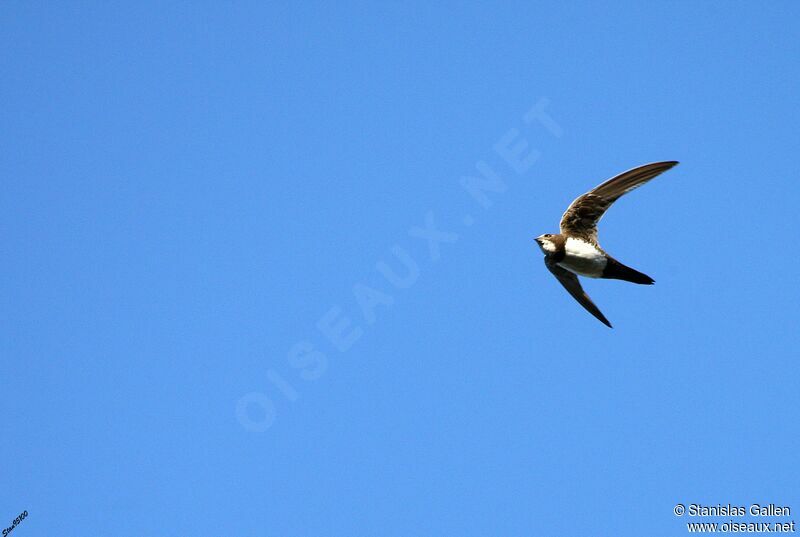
200 203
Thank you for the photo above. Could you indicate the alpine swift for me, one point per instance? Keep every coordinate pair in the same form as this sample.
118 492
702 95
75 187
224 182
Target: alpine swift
575 251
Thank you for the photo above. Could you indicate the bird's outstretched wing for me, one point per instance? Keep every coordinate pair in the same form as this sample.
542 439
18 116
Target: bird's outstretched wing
581 217
573 286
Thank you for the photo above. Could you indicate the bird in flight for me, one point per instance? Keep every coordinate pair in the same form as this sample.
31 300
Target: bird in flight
575 251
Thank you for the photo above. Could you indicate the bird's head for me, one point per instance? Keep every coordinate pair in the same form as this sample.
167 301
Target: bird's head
548 242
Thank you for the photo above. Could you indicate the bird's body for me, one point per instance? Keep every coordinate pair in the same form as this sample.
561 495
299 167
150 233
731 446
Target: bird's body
575 251
583 258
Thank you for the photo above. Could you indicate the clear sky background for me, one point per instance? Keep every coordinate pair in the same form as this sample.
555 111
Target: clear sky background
191 190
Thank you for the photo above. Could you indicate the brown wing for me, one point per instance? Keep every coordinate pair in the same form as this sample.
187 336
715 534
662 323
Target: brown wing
573 286
581 217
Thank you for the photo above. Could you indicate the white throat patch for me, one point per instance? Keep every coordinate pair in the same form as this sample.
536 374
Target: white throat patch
548 245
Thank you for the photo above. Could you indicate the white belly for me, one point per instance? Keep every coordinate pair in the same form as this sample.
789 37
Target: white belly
583 258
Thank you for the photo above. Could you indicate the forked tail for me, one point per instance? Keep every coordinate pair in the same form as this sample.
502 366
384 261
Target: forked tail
617 271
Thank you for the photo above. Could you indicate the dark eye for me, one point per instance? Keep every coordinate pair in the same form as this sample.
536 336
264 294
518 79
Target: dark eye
548 235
